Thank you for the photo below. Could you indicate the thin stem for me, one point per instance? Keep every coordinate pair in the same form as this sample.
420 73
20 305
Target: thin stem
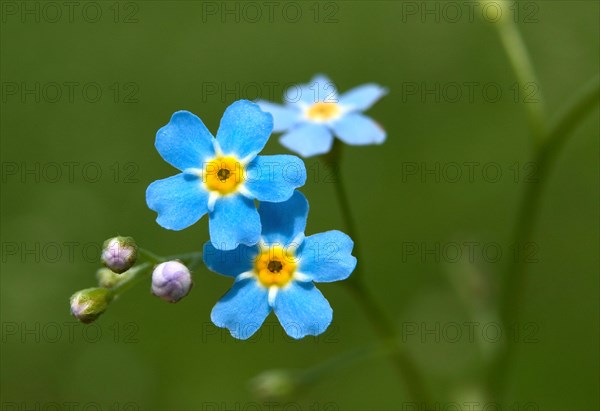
150 256
332 159
575 110
546 147
405 366
385 329
186 258
517 53
134 276
545 157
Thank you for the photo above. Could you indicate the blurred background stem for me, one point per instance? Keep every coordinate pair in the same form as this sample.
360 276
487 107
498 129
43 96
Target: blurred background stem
519 58
337 363
384 328
548 142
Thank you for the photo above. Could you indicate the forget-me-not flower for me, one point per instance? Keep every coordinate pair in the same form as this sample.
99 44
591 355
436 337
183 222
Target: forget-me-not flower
278 273
314 113
221 176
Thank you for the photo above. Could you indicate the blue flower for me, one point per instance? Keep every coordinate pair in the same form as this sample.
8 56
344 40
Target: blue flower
278 273
221 176
314 113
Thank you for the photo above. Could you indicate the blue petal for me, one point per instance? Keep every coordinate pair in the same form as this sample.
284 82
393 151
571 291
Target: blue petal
308 139
243 309
274 178
284 117
362 97
234 221
229 263
180 201
302 310
319 89
357 129
282 222
244 129
327 257
185 142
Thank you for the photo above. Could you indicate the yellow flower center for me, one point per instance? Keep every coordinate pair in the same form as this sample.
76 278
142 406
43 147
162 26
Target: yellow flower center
275 266
323 111
223 174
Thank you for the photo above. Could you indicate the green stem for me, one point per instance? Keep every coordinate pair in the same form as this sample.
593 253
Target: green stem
575 111
135 274
545 158
186 258
515 48
332 159
508 309
150 256
384 328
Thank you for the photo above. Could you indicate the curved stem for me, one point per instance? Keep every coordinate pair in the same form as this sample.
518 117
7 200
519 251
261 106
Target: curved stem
515 48
385 329
150 256
405 366
545 158
575 110
547 145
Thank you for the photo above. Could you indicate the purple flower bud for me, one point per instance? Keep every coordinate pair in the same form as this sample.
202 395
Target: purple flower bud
171 281
119 254
89 304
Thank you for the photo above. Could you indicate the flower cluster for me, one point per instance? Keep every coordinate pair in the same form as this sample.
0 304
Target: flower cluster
256 216
221 176
278 273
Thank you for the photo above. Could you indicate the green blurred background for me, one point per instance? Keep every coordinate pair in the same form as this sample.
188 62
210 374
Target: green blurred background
151 58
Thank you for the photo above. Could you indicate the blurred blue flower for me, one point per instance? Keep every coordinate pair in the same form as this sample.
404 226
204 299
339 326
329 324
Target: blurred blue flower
221 176
278 273
314 113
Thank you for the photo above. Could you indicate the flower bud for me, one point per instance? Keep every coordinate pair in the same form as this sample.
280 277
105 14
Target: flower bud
88 304
107 278
119 254
171 281
273 385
